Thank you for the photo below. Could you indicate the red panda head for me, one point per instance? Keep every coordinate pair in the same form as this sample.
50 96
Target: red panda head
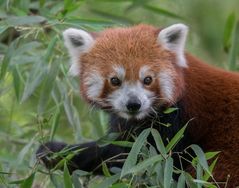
129 71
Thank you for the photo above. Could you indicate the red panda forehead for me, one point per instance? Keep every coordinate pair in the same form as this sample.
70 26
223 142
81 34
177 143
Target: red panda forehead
129 47
127 42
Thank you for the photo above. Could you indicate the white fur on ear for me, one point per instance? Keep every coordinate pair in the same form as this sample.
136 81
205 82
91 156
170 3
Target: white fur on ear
77 42
173 38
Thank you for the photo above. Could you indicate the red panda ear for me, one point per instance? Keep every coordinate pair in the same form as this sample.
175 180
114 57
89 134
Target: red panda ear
77 42
173 38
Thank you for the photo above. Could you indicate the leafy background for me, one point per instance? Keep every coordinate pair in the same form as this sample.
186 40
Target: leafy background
39 101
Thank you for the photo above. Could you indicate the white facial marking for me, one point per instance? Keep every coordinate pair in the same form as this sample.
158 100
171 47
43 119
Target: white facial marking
94 83
119 98
77 42
173 38
166 86
120 72
143 72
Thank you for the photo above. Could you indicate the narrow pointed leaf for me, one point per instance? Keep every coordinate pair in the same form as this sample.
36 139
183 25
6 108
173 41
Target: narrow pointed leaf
175 139
159 142
168 173
67 177
133 154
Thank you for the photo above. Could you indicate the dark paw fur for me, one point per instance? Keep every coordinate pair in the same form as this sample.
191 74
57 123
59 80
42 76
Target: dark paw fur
45 153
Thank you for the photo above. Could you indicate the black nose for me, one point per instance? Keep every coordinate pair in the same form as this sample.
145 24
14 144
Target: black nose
133 105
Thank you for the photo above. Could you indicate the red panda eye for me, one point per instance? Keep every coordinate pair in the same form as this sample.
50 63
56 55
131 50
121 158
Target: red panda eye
115 81
148 80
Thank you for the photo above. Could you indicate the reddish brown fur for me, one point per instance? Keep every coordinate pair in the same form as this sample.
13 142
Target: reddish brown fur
210 95
130 47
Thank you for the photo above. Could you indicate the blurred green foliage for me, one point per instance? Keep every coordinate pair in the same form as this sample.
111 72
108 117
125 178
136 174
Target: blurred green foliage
39 101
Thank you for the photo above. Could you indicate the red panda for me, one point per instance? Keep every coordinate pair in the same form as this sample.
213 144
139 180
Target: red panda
135 72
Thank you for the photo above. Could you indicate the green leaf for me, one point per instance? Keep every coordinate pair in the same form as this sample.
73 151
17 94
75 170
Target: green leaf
120 185
210 155
107 182
162 11
159 169
55 123
122 143
34 79
56 180
144 164
176 138
199 183
159 142
62 162
168 173
181 181
93 23
132 157
189 181
47 87
24 151
27 183
80 173
199 172
50 48
234 47
228 31
7 57
211 167
113 17
201 157
75 180
16 81
3 28
67 177
24 20
169 110
105 170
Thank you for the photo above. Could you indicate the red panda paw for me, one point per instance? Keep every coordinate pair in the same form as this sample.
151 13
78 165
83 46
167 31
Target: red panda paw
46 153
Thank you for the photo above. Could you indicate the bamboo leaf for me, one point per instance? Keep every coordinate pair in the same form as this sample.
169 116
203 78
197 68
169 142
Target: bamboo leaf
27 183
162 11
228 31
55 123
67 177
168 173
234 47
47 87
35 78
24 20
176 138
7 57
144 164
132 157
169 110
75 180
16 81
181 181
199 172
105 170
201 157
159 142
106 183
211 167
24 151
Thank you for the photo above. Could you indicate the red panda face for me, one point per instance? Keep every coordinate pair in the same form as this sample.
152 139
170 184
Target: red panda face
129 71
